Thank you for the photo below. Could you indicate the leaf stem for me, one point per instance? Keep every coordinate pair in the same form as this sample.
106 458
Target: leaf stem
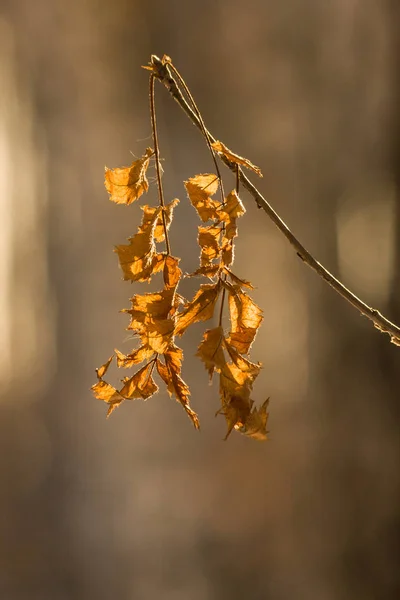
202 126
157 158
162 71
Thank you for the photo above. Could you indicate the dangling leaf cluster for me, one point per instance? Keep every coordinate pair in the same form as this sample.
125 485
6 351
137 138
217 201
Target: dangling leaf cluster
158 318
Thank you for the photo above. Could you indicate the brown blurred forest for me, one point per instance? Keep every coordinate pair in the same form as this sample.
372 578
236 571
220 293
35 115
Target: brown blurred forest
141 506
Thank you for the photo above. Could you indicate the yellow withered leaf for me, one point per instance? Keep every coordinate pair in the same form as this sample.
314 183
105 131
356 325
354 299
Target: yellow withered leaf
208 240
236 412
201 308
209 271
127 184
159 232
245 316
243 364
103 390
232 208
210 351
134 358
158 334
228 213
235 382
148 308
138 259
141 384
101 371
170 372
200 188
235 158
226 252
236 280
172 272
255 426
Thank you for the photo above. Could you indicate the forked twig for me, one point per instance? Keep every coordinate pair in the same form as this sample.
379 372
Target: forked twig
162 71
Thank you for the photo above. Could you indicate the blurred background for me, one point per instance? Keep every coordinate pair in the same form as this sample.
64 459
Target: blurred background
142 506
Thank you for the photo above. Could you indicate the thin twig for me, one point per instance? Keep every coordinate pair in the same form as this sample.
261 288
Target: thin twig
203 128
157 157
163 73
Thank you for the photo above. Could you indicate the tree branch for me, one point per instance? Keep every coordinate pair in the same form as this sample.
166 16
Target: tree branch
162 71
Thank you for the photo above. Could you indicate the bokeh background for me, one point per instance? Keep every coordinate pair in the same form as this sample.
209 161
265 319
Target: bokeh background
141 506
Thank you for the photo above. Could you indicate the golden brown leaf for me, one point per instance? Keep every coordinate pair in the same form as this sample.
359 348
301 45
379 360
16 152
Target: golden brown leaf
236 412
172 273
228 213
200 189
208 240
209 271
232 208
201 308
211 351
246 318
159 232
148 308
141 384
235 158
101 371
158 334
138 260
255 426
235 382
104 391
170 372
137 356
236 280
127 184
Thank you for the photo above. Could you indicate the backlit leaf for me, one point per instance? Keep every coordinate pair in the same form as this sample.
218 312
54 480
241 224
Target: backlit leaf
201 308
138 259
236 280
127 184
171 374
200 189
255 425
211 351
172 272
208 240
235 158
209 271
246 318
136 357
140 385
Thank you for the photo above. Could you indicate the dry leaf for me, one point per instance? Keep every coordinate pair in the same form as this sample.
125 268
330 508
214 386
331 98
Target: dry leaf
235 158
127 184
200 189
211 351
236 280
170 372
209 271
236 411
208 240
141 384
136 357
246 318
228 213
201 308
159 232
255 426
172 272
147 308
243 364
138 260
101 371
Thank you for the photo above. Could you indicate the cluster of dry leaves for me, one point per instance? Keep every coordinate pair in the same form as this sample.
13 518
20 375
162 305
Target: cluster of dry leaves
157 319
